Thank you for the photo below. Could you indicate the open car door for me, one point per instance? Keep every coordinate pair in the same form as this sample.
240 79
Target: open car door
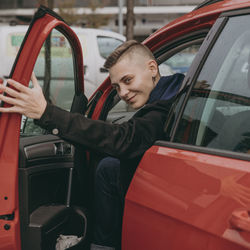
40 165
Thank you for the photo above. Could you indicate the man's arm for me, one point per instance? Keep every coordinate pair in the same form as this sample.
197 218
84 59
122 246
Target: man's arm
127 140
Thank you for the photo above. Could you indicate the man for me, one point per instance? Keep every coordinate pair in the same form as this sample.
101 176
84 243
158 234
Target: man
134 74
127 63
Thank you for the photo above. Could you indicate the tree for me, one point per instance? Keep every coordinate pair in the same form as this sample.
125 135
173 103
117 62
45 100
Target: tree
95 20
47 3
68 13
130 20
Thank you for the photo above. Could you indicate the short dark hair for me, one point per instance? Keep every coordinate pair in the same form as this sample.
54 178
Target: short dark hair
130 46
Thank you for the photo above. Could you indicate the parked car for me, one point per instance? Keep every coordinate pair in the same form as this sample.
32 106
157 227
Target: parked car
190 190
96 44
180 62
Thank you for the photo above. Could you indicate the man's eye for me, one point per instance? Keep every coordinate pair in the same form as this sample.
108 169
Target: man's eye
127 80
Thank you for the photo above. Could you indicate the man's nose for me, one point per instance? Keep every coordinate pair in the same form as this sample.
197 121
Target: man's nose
123 93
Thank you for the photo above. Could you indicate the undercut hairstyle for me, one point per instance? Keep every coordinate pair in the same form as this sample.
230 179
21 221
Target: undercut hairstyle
130 47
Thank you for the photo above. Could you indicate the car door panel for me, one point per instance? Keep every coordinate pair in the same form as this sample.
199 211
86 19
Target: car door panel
181 195
44 172
45 162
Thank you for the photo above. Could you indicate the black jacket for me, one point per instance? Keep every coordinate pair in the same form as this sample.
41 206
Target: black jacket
124 141
127 141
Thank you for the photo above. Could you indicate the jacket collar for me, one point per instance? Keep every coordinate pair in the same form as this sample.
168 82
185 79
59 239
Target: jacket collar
166 88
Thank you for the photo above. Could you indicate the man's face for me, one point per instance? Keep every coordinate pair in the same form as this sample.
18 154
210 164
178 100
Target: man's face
132 78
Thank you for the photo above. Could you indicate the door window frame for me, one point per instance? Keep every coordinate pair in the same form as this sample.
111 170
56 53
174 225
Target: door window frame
189 82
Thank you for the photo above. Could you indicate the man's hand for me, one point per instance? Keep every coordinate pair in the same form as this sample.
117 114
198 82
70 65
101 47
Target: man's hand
26 101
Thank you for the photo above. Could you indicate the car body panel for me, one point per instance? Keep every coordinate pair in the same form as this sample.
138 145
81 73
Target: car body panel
179 193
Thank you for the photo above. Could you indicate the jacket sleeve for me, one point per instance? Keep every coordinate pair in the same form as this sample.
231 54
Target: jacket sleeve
127 140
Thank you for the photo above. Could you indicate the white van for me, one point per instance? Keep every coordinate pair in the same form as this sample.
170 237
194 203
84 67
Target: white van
96 44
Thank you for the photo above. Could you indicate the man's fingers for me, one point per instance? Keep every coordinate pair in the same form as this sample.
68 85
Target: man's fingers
8 110
18 86
9 91
8 100
34 80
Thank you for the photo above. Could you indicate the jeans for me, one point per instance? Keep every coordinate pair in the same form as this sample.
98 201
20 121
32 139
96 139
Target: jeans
108 205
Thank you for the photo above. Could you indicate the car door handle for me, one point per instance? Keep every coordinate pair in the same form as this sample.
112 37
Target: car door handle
48 149
240 219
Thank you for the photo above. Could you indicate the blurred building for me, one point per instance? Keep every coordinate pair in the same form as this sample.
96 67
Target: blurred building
6 4
149 14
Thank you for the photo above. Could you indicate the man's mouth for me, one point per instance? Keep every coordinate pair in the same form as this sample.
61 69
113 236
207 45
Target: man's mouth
129 100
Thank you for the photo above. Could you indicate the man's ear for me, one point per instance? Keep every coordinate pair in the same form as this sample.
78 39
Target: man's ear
153 67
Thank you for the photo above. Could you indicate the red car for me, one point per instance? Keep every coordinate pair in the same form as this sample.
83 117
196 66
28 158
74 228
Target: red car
190 191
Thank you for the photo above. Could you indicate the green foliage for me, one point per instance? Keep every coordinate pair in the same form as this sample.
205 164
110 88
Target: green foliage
68 12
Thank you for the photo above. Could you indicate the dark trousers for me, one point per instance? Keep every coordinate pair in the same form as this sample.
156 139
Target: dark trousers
108 204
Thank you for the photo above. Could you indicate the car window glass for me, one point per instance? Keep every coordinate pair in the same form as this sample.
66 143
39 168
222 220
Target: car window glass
107 45
217 114
55 73
181 61
13 43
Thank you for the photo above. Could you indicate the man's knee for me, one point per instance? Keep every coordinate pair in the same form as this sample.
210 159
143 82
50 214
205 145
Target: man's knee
108 168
